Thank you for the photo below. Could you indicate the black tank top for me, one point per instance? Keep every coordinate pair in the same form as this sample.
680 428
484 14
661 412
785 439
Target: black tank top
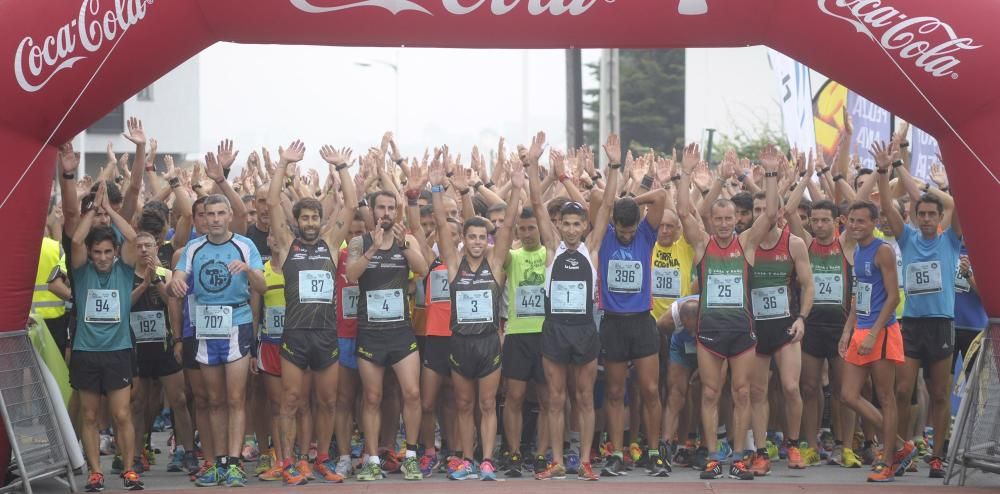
570 291
259 239
310 275
475 300
383 302
148 317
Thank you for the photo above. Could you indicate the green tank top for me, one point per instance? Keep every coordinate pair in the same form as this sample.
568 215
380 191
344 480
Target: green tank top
771 281
722 275
832 281
525 291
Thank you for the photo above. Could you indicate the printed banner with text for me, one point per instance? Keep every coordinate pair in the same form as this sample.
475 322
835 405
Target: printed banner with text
923 153
795 95
871 123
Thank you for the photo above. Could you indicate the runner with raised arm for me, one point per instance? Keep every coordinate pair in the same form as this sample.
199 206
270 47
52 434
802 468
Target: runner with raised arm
725 324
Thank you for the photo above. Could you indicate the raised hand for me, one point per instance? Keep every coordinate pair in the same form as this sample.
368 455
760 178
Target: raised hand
226 154
334 156
884 155
69 161
151 153
664 170
268 164
558 162
396 155
938 175
692 156
517 179
384 145
535 151
770 159
213 169
613 149
436 175
294 154
111 153
135 132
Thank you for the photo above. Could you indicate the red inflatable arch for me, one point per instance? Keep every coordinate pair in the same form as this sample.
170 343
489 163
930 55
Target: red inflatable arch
69 61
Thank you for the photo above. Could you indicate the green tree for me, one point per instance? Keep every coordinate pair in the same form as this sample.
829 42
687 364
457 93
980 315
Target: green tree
749 142
652 100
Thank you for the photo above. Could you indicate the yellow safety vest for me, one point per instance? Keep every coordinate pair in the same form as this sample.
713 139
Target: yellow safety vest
50 262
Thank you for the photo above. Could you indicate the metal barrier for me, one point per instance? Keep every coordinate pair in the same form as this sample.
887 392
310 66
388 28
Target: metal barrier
33 429
976 439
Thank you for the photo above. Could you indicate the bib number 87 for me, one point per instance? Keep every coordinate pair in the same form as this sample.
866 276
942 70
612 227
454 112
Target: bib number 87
317 286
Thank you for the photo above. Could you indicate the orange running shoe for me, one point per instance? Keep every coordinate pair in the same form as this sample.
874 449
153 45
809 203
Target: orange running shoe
795 458
325 473
881 473
760 465
272 474
586 472
305 469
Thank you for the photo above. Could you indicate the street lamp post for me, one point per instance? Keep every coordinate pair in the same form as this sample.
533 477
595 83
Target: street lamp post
395 71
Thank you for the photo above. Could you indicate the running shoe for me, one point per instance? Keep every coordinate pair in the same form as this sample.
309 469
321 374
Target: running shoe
613 467
682 457
712 471
849 459
149 454
95 483
411 469
176 461
264 463
131 481
117 465
881 473
390 460
699 461
272 474
454 464
370 471
760 465
107 444
724 450
235 476
772 450
554 471
540 464
514 466
487 471
291 475
635 453
326 471
794 458
912 468
937 468
200 471
250 449
659 467
304 467
211 478
739 471
837 456
427 464
572 460
867 454
466 472
586 472
903 457
344 467
138 465
923 451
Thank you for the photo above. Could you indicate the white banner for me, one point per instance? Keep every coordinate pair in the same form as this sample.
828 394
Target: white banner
795 95
924 150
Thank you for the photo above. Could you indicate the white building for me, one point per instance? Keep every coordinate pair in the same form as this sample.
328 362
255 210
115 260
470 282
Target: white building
170 112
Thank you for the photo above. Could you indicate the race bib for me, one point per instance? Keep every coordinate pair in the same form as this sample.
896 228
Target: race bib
863 305
440 291
724 291
690 347
274 321
385 305
148 326
349 297
962 283
667 282
625 276
769 302
829 289
923 278
899 267
530 301
213 322
568 297
315 287
103 307
474 306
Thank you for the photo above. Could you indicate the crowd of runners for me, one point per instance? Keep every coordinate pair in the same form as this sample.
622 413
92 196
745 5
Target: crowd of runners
506 319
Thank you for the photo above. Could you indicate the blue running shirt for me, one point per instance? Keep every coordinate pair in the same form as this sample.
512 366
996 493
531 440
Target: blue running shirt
625 270
207 266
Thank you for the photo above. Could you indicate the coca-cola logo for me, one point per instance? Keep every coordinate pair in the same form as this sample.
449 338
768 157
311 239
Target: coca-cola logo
36 62
456 7
930 42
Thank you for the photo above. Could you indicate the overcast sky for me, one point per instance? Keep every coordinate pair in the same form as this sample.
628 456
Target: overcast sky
271 94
